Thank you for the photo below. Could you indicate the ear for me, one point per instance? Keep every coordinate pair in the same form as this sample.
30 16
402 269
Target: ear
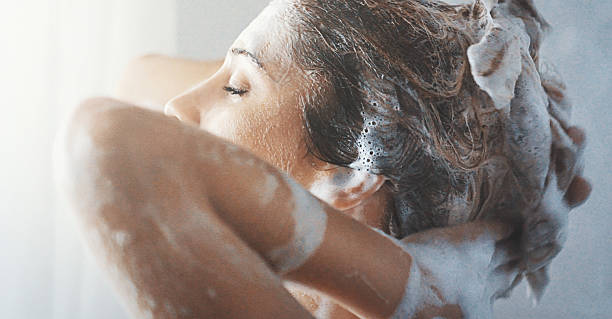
344 188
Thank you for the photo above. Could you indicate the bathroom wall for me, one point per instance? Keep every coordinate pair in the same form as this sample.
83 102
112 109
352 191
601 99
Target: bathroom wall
206 29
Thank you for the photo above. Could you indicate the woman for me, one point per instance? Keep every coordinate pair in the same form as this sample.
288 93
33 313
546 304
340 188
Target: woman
359 103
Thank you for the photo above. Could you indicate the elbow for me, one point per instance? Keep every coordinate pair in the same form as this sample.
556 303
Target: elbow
90 154
113 156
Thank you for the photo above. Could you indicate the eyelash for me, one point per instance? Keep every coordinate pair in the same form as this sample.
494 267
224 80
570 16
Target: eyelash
235 91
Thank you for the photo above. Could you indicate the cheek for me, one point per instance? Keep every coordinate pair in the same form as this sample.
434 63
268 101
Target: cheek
287 150
273 133
273 137
220 121
276 138
253 128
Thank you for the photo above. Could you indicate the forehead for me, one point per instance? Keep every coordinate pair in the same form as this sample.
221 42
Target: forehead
268 35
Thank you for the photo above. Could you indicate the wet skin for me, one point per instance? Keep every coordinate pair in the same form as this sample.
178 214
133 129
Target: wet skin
191 242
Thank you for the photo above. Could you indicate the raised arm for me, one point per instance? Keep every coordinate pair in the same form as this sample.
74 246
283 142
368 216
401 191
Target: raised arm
193 226
152 80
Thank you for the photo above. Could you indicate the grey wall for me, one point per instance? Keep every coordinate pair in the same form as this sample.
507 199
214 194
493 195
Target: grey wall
579 45
206 29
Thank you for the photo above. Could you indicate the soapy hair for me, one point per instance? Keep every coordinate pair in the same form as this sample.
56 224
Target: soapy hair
389 91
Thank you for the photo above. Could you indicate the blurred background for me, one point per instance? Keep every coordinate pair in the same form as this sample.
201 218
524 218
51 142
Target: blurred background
57 52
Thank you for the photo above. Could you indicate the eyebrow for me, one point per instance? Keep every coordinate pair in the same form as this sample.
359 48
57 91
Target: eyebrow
251 56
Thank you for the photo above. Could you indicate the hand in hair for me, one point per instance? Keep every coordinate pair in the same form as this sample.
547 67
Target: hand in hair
468 266
541 156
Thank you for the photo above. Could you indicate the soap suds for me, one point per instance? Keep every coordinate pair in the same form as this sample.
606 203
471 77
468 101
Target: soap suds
211 293
121 238
206 153
446 272
168 234
76 165
451 273
328 189
310 222
413 296
184 311
146 314
169 309
496 61
504 63
323 190
370 144
344 188
268 189
150 302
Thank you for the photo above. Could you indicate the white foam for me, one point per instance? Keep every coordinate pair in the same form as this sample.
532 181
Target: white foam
368 150
77 173
310 222
328 188
447 274
150 302
147 314
211 293
483 56
169 309
413 295
184 311
121 238
206 153
268 189
323 190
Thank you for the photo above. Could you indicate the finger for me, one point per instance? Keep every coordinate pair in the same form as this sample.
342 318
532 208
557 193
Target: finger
578 192
538 281
559 105
539 234
567 151
541 256
497 229
546 224
503 279
506 252
517 280
577 135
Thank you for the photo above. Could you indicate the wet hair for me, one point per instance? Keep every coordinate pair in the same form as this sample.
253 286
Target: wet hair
390 92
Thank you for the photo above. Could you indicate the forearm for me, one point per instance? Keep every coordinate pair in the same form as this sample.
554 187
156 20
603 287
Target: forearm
152 80
318 247
167 250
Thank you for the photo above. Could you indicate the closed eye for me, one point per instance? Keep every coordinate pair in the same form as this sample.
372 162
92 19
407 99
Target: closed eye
235 91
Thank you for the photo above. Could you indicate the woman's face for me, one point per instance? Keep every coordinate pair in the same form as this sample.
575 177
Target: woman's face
252 99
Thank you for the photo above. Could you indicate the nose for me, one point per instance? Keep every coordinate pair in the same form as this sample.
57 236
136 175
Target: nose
184 107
